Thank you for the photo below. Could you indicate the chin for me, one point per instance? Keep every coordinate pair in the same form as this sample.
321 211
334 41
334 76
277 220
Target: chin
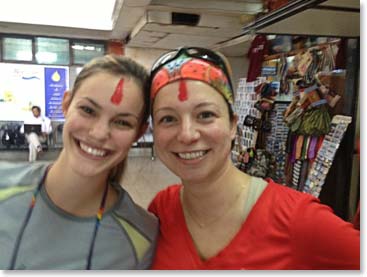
85 169
190 176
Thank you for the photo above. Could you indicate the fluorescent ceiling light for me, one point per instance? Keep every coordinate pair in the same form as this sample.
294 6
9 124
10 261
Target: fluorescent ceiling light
86 14
84 47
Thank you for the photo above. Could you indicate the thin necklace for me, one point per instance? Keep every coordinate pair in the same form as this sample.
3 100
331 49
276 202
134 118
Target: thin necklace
29 214
217 218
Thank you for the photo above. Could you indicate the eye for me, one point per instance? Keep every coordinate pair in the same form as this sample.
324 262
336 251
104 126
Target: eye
87 110
206 115
122 123
167 119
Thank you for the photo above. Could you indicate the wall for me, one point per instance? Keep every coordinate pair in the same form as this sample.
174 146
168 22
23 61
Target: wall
144 56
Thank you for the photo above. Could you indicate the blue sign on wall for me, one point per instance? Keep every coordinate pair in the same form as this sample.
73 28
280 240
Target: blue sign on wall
55 86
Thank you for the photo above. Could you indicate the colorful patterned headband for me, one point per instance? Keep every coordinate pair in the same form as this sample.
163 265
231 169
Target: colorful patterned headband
193 69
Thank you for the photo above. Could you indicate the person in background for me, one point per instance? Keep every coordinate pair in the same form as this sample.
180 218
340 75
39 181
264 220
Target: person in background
34 139
219 217
73 213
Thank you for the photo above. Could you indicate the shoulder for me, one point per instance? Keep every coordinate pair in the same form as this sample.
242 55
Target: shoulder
165 199
21 173
304 212
320 239
131 215
282 206
169 192
46 119
287 195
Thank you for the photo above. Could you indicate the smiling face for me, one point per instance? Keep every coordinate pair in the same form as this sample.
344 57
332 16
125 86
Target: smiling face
98 133
193 137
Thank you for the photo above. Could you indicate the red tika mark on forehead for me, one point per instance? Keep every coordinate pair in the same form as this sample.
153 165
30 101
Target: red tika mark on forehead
117 95
182 95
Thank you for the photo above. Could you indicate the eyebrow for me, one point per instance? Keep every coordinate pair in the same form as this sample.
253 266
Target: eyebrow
96 105
204 104
200 105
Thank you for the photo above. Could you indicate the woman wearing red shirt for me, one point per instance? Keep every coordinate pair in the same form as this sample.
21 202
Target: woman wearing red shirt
220 217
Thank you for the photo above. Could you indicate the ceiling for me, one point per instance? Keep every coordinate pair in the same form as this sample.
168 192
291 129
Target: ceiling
220 24
336 18
148 23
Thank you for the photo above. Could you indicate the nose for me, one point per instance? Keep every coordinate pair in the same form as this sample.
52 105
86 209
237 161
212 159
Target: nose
188 132
99 130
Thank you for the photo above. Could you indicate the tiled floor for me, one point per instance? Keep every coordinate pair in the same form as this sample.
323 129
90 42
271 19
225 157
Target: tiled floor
144 178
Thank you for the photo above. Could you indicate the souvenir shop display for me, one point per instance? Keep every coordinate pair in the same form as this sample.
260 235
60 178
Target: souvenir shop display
289 116
325 156
259 47
272 5
285 85
307 114
255 101
308 117
244 105
256 162
276 141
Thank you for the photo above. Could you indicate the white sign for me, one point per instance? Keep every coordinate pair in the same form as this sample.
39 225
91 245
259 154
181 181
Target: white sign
21 87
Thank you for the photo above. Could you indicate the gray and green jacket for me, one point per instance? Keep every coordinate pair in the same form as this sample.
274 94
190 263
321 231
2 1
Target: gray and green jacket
55 239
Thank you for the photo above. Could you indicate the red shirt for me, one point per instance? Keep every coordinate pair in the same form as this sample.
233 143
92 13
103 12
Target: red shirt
285 229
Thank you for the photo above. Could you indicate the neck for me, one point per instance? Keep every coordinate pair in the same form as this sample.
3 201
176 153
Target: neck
206 203
78 195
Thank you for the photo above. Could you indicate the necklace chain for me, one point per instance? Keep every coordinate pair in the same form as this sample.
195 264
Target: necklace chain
217 218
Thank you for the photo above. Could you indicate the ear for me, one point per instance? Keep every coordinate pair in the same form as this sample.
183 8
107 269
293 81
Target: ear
66 102
142 130
234 126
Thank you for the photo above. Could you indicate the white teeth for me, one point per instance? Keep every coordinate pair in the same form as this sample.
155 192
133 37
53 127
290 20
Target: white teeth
191 155
92 151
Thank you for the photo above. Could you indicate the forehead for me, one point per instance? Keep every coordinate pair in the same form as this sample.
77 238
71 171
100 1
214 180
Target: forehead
197 91
103 84
101 87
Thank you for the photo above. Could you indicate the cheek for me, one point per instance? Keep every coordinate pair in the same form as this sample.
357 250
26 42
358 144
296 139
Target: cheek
161 136
74 123
124 140
219 134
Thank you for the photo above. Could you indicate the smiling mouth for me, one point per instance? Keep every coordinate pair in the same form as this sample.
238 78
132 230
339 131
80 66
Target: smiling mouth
192 155
96 152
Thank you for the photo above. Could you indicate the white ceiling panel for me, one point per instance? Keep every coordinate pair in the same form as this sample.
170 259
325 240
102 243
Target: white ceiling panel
220 20
342 3
172 41
196 30
318 23
224 7
127 16
217 27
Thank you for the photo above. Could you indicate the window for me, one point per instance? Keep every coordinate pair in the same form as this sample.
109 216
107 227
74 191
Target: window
17 49
49 50
84 52
52 51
